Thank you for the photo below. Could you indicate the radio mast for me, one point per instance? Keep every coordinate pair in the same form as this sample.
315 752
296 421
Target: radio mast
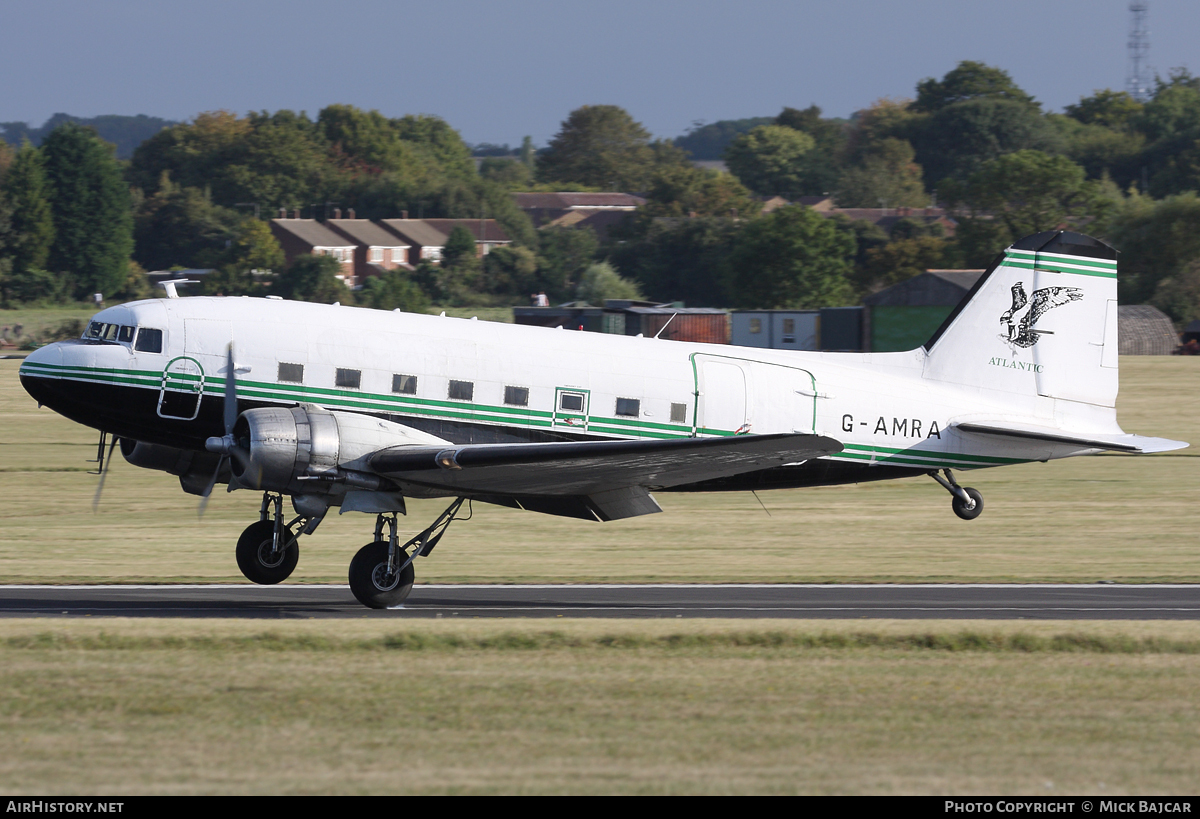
1139 82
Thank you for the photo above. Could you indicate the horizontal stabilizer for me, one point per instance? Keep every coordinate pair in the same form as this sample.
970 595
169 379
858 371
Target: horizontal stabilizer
1133 444
594 468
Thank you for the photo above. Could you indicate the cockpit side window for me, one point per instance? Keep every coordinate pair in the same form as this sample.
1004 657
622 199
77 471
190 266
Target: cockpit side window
149 340
100 331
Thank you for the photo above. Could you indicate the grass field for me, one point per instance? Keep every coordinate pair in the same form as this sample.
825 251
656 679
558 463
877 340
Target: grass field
178 707
1118 518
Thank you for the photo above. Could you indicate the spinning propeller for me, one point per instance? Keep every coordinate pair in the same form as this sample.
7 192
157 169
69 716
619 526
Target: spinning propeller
105 463
227 444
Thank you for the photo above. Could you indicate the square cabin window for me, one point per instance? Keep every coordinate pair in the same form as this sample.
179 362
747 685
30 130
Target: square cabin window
149 340
629 407
678 413
292 373
571 401
756 326
517 396
351 379
462 390
404 384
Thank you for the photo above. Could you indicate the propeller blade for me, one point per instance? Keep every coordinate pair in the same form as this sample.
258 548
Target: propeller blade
231 404
103 475
208 489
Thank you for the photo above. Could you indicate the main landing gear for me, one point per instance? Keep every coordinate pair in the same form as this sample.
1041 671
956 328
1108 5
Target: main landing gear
381 574
967 503
267 551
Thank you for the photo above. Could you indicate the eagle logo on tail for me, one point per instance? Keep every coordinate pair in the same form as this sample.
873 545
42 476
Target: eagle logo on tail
1025 311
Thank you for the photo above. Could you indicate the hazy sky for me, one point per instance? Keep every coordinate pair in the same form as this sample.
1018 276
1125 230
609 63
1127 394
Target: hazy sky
502 69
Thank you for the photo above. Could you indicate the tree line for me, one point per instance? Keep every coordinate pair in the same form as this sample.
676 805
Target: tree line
75 219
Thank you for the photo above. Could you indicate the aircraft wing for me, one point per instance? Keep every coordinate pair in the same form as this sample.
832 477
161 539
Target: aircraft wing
1132 444
607 480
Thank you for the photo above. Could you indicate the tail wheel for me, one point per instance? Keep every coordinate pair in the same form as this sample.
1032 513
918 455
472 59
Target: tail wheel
255 557
962 510
372 584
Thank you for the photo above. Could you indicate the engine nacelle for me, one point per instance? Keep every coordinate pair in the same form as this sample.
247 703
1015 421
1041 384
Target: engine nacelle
194 469
310 450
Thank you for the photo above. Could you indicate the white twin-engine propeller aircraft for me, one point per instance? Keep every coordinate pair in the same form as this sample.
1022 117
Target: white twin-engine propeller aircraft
358 409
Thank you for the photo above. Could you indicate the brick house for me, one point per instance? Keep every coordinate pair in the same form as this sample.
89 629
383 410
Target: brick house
377 249
308 237
427 237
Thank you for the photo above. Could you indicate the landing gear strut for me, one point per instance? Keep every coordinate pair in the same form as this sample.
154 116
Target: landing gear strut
381 574
267 551
968 501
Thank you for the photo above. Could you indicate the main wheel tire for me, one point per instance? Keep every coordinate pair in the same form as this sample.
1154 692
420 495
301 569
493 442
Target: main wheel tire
961 509
254 556
370 582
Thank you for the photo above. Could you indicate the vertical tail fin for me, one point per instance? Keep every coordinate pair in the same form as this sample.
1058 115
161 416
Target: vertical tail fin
1042 320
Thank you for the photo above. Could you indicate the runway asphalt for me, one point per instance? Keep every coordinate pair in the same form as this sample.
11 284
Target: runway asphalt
1006 602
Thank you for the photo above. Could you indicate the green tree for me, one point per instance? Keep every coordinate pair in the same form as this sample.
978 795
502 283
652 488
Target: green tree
1112 109
1028 192
459 251
528 154
598 146
709 141
1158 240
7 157
563 255
1102 150
958 139
825 162
511 272
252 249
181 227
366 139
968 80
770 159
682 190
885 119
441 146
887 176
314 278
93 223
899 260
394 290
600 281
794 258
510 173
32 221
682 259
137 284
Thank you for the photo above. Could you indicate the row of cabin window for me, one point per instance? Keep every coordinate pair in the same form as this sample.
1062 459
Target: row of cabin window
465 391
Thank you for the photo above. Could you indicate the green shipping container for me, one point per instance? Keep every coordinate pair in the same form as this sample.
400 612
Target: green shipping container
894 329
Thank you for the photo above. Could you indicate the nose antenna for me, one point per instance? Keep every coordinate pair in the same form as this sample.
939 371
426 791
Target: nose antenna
170 286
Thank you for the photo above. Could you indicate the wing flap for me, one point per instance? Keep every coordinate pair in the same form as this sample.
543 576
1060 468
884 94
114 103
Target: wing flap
591 468
1132 444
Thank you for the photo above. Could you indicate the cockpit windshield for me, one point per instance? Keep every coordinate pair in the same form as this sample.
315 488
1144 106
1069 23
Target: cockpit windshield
148 340
100 331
